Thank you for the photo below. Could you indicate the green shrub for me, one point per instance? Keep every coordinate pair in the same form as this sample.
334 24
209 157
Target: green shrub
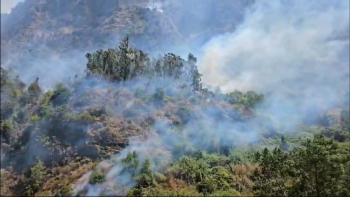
97 177
44 111
99 111
60 95
207 186
34 180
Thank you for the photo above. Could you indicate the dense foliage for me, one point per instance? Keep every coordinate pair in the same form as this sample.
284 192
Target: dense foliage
319 168
128 63
50 139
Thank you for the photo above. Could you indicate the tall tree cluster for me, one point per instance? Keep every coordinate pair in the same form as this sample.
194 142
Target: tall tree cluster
127 63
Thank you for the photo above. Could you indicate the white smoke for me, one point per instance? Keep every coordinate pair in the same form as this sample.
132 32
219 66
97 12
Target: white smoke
156 6
297 52
280 42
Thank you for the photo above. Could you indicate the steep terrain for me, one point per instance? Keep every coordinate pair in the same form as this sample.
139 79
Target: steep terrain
136 126
86 110
37 33
66 25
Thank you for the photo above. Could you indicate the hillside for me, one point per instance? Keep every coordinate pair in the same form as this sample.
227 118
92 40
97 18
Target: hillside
37 33
93 104
66 25
171 135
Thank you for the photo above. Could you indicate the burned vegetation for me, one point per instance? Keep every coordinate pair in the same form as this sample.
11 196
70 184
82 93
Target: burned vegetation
165 132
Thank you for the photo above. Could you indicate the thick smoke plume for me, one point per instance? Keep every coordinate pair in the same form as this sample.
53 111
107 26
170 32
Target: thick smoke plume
296 52
206 129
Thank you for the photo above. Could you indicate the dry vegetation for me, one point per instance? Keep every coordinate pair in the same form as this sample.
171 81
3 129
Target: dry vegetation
64 140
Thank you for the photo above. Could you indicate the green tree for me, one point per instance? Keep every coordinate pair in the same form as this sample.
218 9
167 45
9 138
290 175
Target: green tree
131 163
34 179
270 180
318 169
192 170
60 95
146 179
34 89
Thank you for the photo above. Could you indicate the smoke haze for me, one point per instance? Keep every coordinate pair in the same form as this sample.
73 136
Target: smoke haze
296 52
278 44
174 26
7 5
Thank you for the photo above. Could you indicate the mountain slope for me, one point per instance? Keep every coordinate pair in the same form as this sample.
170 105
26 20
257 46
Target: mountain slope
77 119
78 24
